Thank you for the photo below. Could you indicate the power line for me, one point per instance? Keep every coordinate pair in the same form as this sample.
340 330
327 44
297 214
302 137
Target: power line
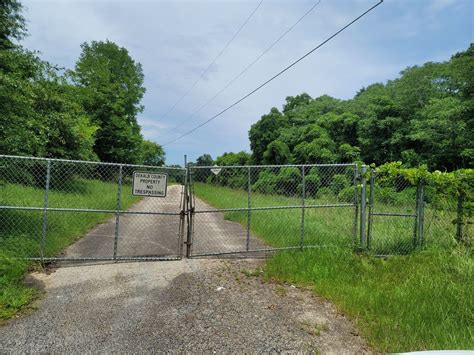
251 64
213 61
276 75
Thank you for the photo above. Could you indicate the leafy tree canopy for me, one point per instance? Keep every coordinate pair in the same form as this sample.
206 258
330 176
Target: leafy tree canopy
426 116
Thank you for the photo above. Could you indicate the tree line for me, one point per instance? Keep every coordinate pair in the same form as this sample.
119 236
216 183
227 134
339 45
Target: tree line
87 113
424 117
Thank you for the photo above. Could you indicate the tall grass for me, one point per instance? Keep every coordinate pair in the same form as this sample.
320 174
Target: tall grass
329 226
422 300
20 231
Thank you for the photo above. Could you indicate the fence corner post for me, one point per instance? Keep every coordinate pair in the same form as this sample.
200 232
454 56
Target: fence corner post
363 207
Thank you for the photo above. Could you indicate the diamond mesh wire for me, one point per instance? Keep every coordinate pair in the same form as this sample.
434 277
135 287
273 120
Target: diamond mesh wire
260 208
405 216
73 210
392 215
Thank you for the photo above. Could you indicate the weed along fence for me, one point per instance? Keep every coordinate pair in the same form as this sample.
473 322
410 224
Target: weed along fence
52 209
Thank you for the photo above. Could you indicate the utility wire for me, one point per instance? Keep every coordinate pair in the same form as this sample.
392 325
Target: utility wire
213 61
251 64
276 75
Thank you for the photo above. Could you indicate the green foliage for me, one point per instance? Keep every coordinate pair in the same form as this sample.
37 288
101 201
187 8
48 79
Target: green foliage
426 116
338 183
277 153
230 159
399 304
152 153
312 182
266 182
12 23
112 87
265 131
39 113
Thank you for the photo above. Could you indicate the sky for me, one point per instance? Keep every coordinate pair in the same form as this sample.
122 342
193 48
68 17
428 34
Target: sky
175 41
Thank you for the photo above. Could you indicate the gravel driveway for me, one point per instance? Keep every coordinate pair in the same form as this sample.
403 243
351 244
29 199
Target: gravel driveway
191 305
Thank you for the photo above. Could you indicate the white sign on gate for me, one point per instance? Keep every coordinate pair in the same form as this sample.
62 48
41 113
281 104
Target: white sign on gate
149 184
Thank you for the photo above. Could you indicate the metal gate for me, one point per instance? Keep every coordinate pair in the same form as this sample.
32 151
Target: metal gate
56 210
248 209
395 215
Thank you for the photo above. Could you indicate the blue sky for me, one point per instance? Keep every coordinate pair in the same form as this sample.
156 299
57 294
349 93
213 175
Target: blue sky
176 40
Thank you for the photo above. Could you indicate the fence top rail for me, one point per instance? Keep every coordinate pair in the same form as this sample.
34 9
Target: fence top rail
270 166
91 162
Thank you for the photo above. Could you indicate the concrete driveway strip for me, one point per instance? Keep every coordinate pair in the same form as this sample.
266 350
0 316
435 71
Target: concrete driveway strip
139 234
193 305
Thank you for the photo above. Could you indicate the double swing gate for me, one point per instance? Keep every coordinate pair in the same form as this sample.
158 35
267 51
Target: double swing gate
65 210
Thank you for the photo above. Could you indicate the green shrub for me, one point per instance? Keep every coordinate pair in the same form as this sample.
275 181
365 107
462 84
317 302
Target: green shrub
339 182
266 183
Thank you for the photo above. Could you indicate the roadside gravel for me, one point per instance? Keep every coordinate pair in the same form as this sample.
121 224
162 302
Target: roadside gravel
193 305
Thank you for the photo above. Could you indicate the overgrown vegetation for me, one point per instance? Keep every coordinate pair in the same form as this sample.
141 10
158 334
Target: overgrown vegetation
21 230
403 303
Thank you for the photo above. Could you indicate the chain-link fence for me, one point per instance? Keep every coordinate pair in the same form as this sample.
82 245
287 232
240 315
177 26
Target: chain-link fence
53 209
404 216
239 209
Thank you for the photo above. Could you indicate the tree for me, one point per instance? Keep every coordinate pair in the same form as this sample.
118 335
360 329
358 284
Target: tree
112 86
152 153
205 160
12 23
203 174
263 132
440 132
277 153
39 113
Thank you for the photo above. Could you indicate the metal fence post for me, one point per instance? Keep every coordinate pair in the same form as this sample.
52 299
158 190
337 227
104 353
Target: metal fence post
45 211
363 207
303 197
189 238
460 217
249 205
183 212
420 212
371 207
117 213
356 204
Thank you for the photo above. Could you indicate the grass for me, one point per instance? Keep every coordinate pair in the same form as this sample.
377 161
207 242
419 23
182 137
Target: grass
327 226
418 301
20 231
